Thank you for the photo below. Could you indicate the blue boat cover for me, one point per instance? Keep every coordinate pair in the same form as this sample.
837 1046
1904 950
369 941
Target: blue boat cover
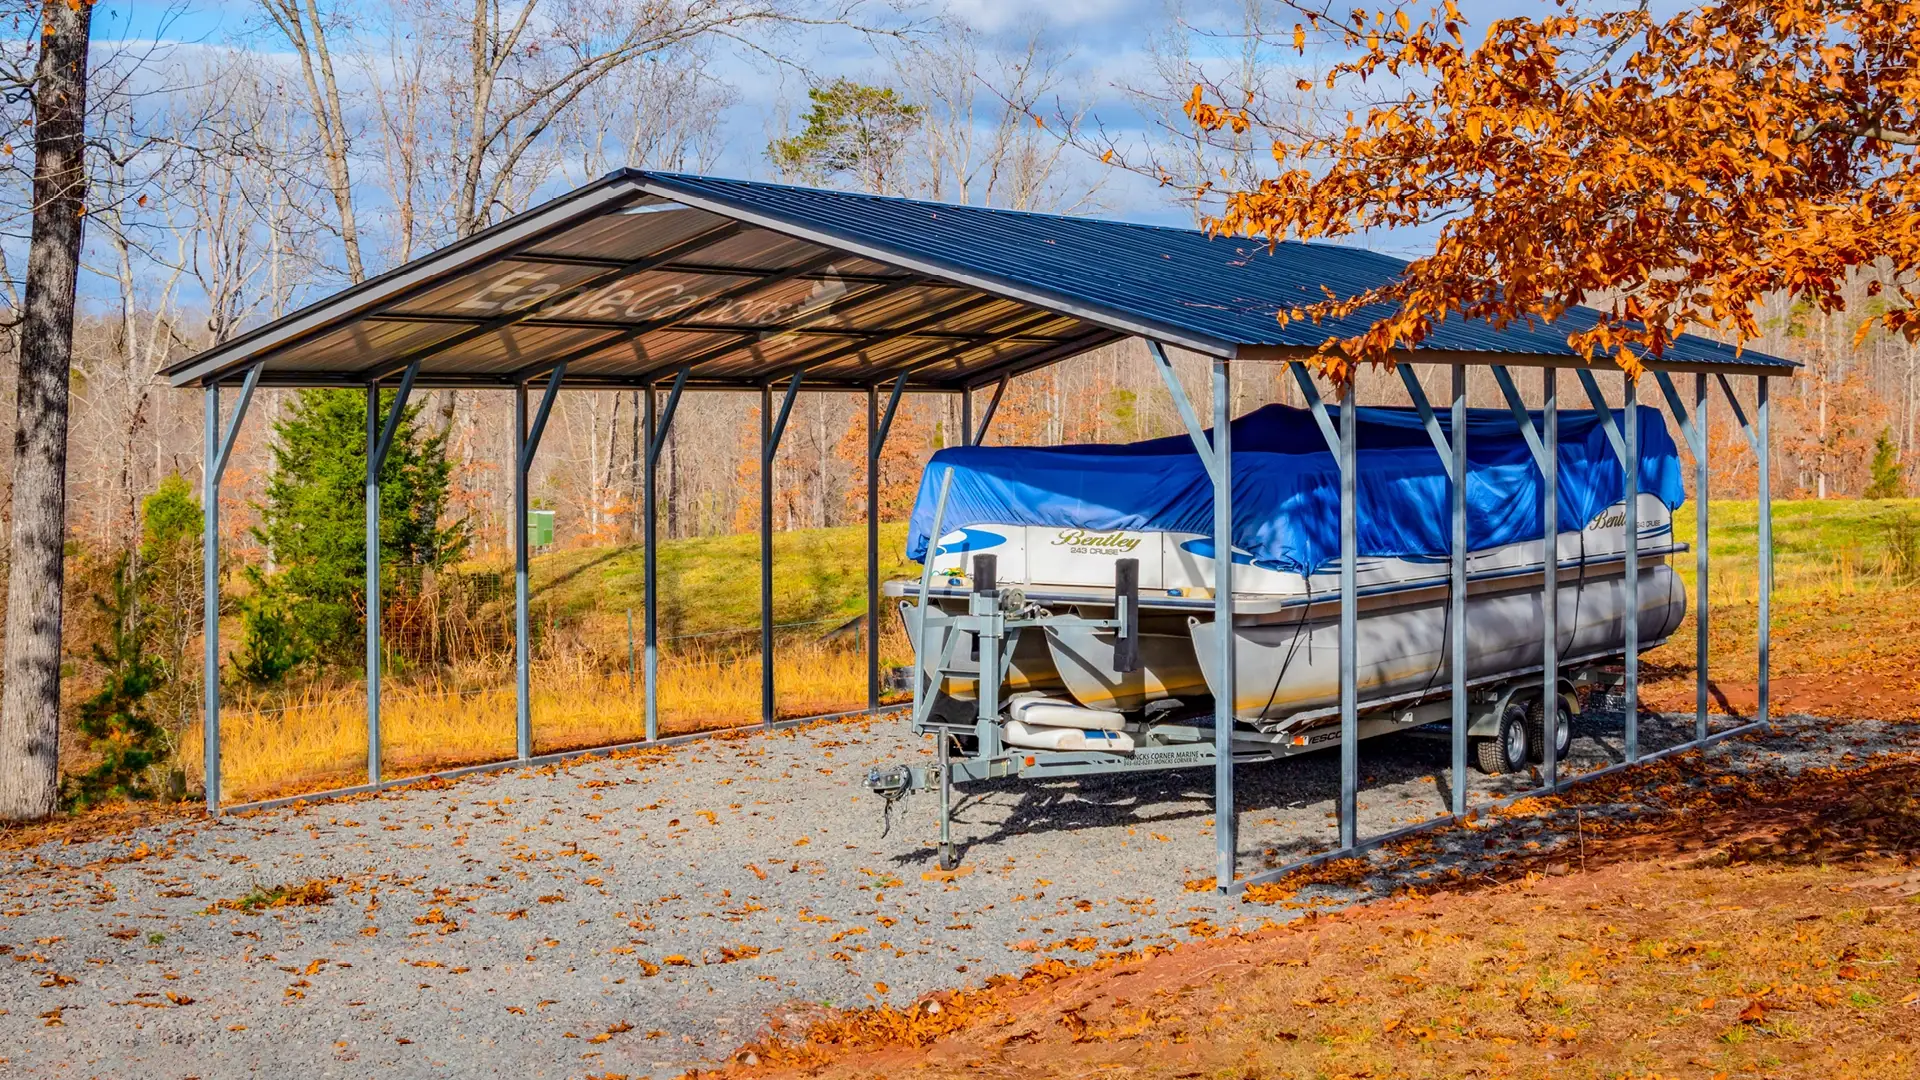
1286 485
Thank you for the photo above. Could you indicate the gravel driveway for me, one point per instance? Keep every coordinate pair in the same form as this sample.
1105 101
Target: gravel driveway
637 915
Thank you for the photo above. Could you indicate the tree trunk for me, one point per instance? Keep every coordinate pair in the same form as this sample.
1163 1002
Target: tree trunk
30 705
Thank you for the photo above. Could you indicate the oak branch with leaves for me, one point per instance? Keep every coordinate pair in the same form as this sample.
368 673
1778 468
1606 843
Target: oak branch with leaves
1668 172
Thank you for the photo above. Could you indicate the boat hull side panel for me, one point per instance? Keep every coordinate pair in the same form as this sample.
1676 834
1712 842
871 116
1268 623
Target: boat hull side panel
1287 668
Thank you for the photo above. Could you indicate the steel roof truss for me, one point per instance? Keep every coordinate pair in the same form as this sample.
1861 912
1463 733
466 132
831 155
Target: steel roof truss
724 296
551 303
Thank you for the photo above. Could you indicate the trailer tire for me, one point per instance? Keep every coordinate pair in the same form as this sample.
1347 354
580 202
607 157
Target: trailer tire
1537 731
1509 748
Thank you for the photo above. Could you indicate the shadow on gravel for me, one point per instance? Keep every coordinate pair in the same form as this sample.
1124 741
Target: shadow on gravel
1286 806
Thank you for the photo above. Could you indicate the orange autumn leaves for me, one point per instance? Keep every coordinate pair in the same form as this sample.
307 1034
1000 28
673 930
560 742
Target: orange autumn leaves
1670 173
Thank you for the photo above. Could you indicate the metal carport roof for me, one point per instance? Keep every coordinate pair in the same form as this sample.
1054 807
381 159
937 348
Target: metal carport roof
640 274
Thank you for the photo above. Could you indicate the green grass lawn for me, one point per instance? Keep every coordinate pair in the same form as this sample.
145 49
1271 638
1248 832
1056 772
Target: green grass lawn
712 583
1806 532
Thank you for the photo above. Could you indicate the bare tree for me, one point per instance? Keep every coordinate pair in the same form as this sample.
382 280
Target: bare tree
307 31
116 382
980 140
235 205
653 115
516 69
400 88
30 701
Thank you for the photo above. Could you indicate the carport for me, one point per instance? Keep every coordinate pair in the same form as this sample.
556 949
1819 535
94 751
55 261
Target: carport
667 283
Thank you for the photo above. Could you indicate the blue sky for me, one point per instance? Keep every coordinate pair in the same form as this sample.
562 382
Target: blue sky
1106 37
1108 40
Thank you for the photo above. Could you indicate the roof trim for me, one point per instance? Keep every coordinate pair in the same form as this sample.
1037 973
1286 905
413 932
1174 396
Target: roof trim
1780 366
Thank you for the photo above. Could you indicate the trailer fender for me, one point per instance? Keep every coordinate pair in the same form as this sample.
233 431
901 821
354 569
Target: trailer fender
1484 720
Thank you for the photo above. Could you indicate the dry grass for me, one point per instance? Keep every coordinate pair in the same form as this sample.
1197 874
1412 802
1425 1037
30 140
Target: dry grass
319 740
1843 626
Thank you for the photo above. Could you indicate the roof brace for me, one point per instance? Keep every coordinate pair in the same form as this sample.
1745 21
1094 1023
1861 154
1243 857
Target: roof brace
993 406
1316 405
1740 414
1520 417
378 458
1605 412
1187 418
1679 410
1432 424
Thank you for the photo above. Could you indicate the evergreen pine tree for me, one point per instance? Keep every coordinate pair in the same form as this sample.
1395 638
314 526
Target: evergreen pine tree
314 523
171 526
1889 481
115 721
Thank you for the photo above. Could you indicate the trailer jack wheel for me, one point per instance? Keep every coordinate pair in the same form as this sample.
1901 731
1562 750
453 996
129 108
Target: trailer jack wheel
1507 751
949 857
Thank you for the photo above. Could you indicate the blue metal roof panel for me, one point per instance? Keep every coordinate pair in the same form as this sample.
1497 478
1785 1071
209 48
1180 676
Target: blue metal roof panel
1215 293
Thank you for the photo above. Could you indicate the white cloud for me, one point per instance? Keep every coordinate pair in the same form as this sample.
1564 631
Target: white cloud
998 16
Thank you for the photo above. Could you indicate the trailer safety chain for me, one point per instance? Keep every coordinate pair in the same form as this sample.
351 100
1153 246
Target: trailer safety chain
891 785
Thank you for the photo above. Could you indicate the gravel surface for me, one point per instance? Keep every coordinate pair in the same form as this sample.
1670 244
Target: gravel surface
645 914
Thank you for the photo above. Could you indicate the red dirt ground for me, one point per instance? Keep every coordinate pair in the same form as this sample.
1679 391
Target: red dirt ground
1770 935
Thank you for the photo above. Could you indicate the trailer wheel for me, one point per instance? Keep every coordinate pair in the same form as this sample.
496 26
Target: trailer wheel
1506 751
1537 731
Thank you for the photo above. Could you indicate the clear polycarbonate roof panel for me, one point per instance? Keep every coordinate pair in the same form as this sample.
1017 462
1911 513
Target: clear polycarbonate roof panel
639 274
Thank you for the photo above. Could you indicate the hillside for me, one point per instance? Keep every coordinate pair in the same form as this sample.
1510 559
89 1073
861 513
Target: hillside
711 584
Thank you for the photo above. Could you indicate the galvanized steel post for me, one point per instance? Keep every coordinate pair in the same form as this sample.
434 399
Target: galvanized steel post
1457 616
766 554
1765 508
1217 458
1550 566
873 549
1701 489
210 597
372 542
216 448
771 429
1349 617
526 443
1225 815
659 423
1630 470
878 424
522 672
650 566
379 442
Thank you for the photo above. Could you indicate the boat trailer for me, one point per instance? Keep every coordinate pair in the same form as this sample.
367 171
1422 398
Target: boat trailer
971 744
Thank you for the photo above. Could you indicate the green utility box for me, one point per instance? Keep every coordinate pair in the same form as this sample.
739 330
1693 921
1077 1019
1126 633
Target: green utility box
539 528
